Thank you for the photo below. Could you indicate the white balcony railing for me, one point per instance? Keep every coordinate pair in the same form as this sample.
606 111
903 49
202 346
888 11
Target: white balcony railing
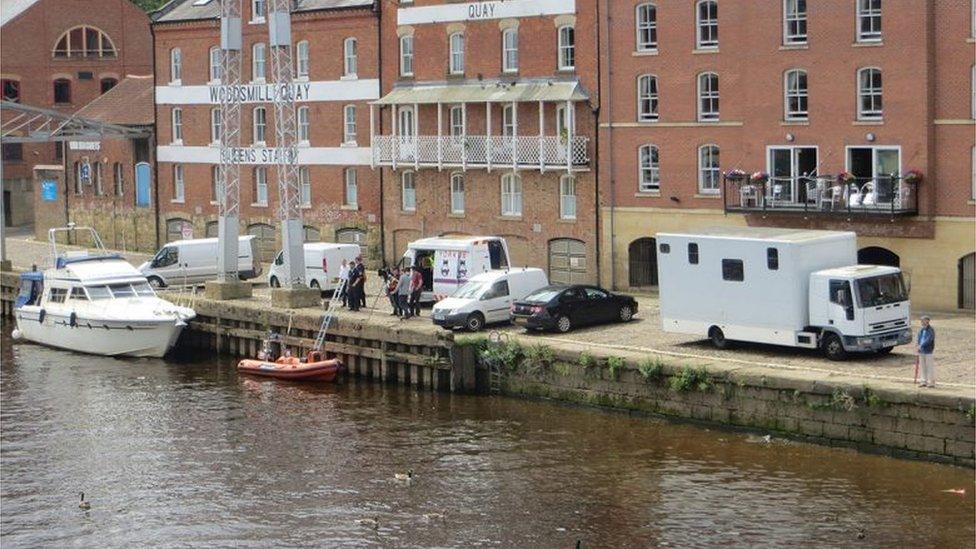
482 151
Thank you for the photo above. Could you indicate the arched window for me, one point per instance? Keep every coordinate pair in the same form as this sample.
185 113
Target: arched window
62 91
107 84
709 172
351 198
647 98
510 57
795 95
212 229
174 229
567 48
408 191
876 255
406 55
175 65
457 193
706 19
301 59
304 187
642 260
84 41
257 62
456 42
350 49
265 240
311 234
260 186
215 67
707 97
650 175
869 96
511 195
646 27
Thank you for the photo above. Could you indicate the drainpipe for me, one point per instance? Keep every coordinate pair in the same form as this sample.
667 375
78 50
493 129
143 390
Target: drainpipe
152 146
378 9
596 154
611 175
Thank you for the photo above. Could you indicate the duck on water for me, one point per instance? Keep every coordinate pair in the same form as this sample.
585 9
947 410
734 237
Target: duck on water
95 302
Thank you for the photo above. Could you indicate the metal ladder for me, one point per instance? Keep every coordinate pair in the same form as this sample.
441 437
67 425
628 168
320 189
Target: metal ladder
495 366
330 314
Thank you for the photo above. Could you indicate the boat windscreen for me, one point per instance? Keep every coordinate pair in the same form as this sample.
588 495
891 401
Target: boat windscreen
122 290
143 289
98 292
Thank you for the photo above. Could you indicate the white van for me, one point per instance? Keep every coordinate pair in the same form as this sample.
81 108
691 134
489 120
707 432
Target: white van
448 262
195 262
487 298
322 263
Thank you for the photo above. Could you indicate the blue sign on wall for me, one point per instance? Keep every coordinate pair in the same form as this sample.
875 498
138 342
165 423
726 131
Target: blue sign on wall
49 190
143 180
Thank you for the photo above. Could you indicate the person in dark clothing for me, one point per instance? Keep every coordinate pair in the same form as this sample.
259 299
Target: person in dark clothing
391 291
926 353
362 287
357 275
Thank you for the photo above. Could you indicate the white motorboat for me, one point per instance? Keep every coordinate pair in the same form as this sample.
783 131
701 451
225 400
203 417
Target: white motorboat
96 302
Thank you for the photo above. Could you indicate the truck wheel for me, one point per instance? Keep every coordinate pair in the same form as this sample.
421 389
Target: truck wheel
563 324
833 347
718 338
475 322
626 313
156 282
274 282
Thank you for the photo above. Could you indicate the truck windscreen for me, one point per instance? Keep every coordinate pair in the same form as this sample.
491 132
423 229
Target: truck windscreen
881 290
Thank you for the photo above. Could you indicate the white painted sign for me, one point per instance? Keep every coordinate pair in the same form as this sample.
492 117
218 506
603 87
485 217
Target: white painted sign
85 145
258 155
479 11
307 156
305 92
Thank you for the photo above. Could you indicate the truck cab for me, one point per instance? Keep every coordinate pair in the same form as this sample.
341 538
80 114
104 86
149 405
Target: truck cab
859 308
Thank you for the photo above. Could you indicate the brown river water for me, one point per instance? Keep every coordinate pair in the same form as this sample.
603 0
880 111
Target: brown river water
186 452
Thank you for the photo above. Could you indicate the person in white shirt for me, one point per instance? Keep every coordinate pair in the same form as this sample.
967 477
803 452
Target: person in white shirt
344 277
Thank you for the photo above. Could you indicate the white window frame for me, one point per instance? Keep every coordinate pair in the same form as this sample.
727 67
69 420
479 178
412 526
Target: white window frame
509 120
645 19
259 15
510 50
800 94
793 17
259 63
408 191
304 187
406 55
179 188
259 126
649 168
302 66
456 56
304 127
176 67
701 41
215 65
350 57
177 120
216 189
350 196
710 95
456 120
875 149
567 197
215 126
457 193
260 175
714 174
349 125
511 195
647 99
876 112
567 48
866 13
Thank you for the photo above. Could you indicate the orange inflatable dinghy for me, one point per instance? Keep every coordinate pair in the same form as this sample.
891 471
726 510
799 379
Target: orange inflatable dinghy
315 369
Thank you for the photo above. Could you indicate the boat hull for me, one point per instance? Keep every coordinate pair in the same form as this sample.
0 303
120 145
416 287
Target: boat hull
326 370
144 338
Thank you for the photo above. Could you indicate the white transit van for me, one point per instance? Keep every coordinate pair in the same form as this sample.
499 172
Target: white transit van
794 287
322 263
195 262
487 298
448 262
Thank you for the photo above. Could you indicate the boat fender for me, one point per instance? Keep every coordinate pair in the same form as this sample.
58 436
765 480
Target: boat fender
40 316
16 334
73 319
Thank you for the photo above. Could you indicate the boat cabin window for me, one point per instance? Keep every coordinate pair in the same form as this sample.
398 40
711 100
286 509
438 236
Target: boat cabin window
143 289
79 294
98 292
496 253
166 256
30 291
57 295
122 290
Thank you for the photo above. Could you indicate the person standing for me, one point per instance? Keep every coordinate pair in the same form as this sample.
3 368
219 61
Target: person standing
362 286
344 278
357 275
403 292
391 290
926 353
416 288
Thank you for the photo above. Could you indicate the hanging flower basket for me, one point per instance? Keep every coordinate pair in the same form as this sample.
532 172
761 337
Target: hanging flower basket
845 177
759 178
913 176
735 175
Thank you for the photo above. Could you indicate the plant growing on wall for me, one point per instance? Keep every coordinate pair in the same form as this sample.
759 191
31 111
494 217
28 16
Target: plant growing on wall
651 370
614 365
691 379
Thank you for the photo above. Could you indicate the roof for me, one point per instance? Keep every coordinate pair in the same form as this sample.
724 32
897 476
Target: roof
486 91
103 269
12 8
450 241
197 10
765 233
129 103
860 271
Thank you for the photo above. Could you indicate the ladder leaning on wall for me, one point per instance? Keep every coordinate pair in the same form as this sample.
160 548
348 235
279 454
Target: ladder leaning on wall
330 314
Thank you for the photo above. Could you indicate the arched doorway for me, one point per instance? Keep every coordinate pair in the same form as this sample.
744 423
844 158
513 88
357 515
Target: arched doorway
351 236
567 261
642 260
875 255
967 281
178 229
311 234
265 239
212 229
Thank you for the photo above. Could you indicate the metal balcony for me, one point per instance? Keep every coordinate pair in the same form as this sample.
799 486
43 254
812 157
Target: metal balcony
823 195
482 151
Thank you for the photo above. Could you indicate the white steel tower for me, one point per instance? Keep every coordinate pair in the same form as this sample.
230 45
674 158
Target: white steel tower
229 175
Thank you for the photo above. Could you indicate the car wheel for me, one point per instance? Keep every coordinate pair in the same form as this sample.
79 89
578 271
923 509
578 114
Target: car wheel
885 350
156 282
563 324
274 282
626 313
718 338
833 347
475 322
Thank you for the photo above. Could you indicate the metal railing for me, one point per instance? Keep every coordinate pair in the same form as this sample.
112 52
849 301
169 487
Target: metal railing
482 151
827 194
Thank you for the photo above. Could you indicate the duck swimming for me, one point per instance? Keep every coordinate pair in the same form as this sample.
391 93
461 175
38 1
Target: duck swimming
84 504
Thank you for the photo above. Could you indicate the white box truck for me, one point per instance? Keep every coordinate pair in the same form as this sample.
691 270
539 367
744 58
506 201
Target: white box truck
448 262
800 288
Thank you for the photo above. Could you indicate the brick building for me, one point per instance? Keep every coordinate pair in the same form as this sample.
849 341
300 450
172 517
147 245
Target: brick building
805 92
62 54
337 72
486 126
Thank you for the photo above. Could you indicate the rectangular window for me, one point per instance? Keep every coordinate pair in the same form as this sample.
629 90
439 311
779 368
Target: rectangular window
178 188
510 50
650 178
260 125
215 66
175 65
511 195
457 121
646 27
62 91
301 59
795 22
178 125
772 259
119 179
351 198
305 187
303 125
733 269
709 172
11 90
870 104
351 57
567 197
647 98
868 20
508 121
796 95
215 123
840 293
406 55
260 186
707 19
349 125
58 295
257 62
408 191
258 8
457 194
693 253
216 187
457 53
99 177
664 248
567 48
13 151
708 97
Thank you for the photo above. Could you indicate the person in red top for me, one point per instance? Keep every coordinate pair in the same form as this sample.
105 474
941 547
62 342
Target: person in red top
416 288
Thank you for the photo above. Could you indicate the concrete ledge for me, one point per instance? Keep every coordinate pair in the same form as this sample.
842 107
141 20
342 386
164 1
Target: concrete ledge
295 298
223 291
6 265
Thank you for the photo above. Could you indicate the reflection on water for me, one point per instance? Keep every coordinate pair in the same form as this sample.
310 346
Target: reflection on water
171 453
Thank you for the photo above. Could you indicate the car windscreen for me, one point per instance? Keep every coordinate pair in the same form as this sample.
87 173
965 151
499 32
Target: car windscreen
545 295
881 290
470 290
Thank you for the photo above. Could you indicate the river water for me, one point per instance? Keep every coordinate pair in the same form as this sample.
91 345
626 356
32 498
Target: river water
176 453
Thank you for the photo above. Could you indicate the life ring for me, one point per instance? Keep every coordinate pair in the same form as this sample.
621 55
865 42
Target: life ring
40 316
73 319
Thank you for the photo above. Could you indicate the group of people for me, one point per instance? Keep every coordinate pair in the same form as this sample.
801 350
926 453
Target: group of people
354 293
403 288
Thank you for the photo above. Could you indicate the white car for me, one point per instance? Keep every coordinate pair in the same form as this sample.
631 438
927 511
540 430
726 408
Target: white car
487 298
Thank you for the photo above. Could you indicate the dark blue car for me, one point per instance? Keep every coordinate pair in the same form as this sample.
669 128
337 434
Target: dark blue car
564 307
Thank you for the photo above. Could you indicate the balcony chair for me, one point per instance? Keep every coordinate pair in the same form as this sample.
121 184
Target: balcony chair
747 193
902 196
869 194
775 194
814 191
833 196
